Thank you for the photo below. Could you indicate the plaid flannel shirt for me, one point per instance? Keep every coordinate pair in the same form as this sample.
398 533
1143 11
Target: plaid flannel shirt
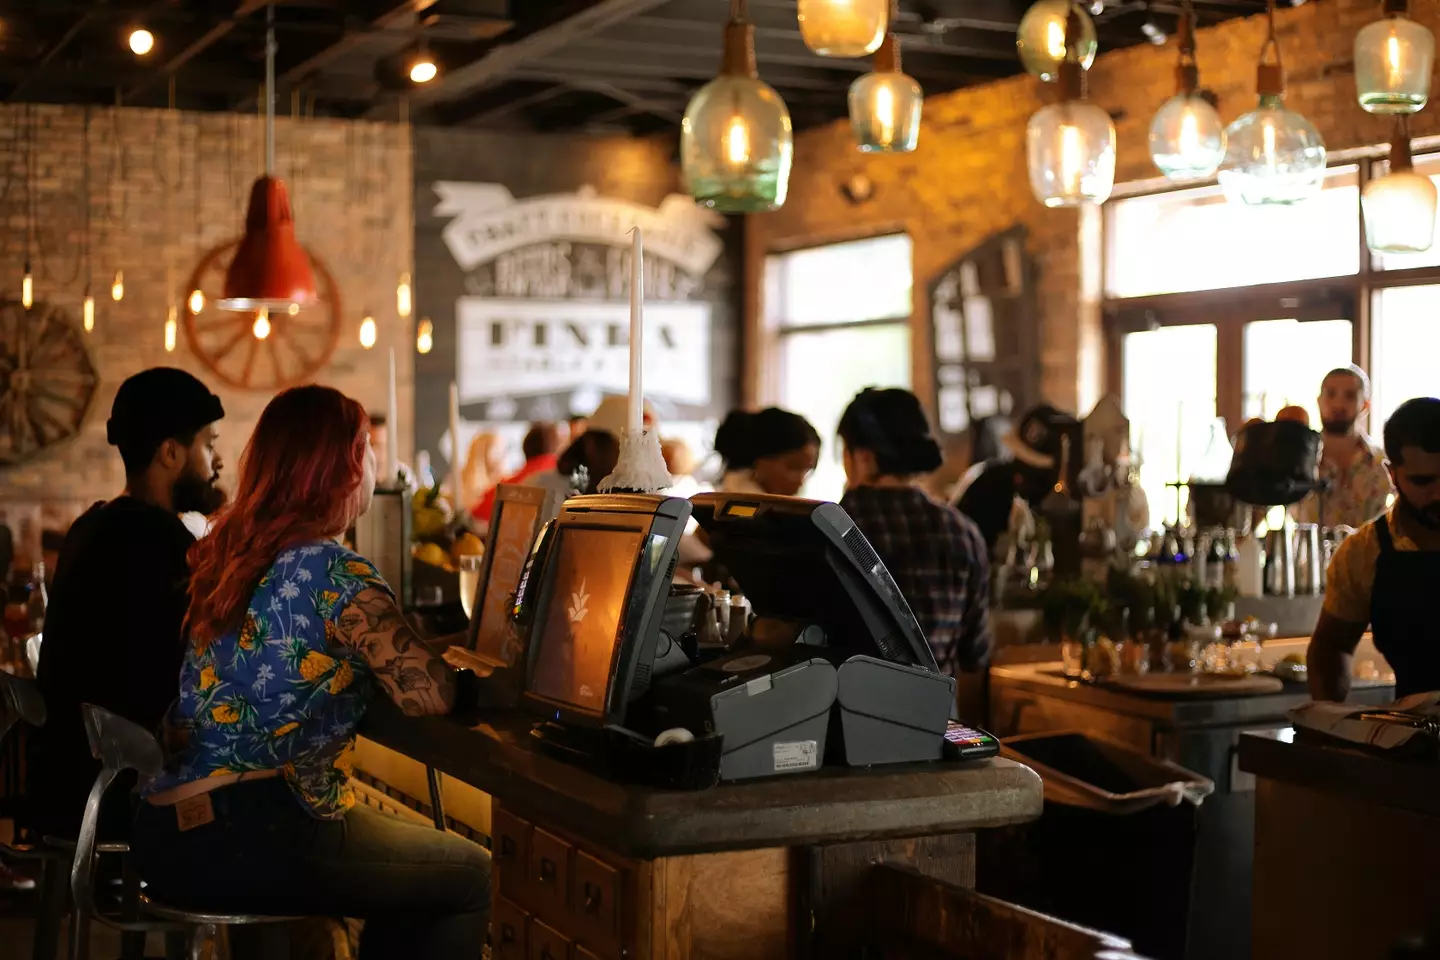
939 561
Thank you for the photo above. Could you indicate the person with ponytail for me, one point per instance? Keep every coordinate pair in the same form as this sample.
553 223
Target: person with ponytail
936 555
772 451
289 636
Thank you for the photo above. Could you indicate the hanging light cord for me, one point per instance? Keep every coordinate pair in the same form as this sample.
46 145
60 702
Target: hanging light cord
85 175
1271 42
739 11
270 90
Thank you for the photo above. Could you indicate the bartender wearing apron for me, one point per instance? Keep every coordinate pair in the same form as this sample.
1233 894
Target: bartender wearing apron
1385 577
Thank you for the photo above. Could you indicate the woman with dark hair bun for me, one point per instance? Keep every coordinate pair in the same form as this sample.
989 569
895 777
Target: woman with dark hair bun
771 451
935 554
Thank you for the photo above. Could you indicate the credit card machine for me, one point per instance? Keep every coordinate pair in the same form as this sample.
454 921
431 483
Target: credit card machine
968 743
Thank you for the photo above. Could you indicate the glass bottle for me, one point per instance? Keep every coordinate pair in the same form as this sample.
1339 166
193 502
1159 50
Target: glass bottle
1070 151
1272 156
38 599
1232 561
1394 59
843 28
1399 207
1182 656
1215 562
1041 40
885 105
1187 138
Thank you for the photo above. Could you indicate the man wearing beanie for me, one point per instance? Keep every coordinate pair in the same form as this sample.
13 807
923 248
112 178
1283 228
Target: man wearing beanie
113 628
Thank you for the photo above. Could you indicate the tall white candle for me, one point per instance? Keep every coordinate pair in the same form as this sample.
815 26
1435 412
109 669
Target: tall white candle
455 489
637 334
392 415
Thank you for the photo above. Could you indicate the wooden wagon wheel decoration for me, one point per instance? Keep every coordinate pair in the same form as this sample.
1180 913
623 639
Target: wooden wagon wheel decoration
296 348
48 379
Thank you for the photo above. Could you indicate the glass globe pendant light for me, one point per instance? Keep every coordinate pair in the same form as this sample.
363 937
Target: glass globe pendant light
1044 38
735 139
1070 144
1187 137
885 105
843 28
1272 155
1400 206
1394 58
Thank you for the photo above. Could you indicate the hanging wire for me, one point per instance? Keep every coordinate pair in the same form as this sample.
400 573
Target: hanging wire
1271 41
85 176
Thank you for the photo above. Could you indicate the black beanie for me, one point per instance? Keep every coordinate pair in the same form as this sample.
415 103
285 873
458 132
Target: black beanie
158 404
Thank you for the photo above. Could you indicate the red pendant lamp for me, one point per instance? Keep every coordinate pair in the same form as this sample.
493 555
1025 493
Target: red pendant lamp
270 268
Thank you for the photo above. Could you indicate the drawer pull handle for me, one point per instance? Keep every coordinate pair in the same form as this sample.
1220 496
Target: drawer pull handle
547 870
507 846
592 898
507 933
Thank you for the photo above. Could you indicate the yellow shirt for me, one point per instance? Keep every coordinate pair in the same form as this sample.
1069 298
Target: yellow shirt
1352 570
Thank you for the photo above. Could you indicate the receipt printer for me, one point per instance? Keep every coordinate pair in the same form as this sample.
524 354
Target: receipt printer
889 713
772 708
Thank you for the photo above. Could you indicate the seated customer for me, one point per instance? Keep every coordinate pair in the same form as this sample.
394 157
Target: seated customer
113 628
290 634
772 451
935 554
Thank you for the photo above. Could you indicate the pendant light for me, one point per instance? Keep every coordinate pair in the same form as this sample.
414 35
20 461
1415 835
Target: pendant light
1070 144
885 105
1272 155
27 280
1400 206
195 302
843 28
735 140
87 301
404 301
424 336
117 286
1394 58
368 332
172 328
1187 136
261 327
270 269
1045 37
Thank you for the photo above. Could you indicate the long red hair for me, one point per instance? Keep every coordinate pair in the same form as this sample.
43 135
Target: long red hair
300 479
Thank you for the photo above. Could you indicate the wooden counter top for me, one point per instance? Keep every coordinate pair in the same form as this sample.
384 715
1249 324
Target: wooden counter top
1342 771
496 754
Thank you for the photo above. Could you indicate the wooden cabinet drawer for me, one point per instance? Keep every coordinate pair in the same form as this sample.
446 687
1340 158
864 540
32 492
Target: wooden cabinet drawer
597 897
510 850
547 943
510 927
549 872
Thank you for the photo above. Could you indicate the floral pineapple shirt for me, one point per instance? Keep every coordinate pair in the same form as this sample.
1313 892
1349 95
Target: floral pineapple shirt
282 692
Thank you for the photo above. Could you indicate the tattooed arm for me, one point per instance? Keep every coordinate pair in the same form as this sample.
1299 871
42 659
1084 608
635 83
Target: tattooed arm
412 674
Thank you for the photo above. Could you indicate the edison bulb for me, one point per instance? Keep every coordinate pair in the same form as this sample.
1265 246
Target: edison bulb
424 336
367 332
1394 60
1272 156
1041 38
1070 151
261 328
172 328
293 309
423 70
141 41
196 302
403 303
117 286
843 28
1399 213
87 311
885 112
1187 138
736 146
27 288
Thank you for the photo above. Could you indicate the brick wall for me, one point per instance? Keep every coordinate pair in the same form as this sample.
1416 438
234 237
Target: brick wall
967 179
154 210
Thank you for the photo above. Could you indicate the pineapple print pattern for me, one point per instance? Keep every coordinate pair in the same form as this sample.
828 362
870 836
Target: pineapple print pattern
282 692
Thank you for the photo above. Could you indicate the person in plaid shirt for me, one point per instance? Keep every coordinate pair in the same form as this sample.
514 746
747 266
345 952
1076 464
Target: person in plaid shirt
936 554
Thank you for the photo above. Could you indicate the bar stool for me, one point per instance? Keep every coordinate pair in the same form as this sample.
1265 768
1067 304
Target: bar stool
121 745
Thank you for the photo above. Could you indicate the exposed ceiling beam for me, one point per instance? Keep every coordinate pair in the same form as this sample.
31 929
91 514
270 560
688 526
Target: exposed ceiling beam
195 48
55 48
631 103
503 60
613 71
475 113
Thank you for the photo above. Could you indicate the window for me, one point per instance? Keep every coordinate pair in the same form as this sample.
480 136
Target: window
1405 344
1197 240
1286 360
1169 395
841 314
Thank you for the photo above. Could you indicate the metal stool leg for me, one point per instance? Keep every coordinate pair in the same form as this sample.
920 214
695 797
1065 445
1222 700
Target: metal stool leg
50 916
437 805
132 944
79 933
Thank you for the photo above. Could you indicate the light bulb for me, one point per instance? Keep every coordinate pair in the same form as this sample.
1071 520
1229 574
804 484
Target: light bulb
843 28
403 304
1040 40
1399 213
423 70
261 329
87 311
1055 38
424 336
27 288
293 309
737 143
1187 138
117 286
1394 59
141 41
367 332
171 329
1272 156
1070 152
197 301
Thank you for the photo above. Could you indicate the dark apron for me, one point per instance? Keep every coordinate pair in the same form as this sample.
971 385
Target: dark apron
1405 613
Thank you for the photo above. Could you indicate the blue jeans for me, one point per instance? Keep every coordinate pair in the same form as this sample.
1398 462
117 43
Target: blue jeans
423 894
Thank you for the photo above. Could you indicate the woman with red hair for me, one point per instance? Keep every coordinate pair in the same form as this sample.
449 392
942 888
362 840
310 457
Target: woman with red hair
289 634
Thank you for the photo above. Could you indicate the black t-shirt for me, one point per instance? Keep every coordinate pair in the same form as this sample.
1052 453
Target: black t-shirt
113 637
989 499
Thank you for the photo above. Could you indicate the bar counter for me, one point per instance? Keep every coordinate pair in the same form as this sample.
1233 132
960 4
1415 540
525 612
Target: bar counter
588 867
1345 851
